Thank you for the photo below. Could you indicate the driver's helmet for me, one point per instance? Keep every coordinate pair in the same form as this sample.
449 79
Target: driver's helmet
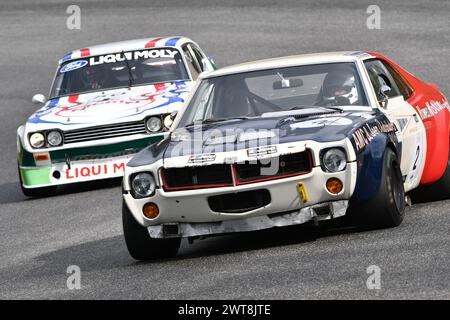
339 87
94 78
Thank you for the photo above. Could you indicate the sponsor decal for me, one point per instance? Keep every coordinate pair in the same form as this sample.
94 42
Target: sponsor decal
331 121
73 66
134 55
262 151
256 135
432 108
202 158
95 170
162 95
364 135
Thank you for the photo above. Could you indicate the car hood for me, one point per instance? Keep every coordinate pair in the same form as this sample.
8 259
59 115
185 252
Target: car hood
243 134
108 107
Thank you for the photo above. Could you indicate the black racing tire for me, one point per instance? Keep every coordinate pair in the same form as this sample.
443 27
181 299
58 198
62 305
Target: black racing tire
387 208
37 192
139 243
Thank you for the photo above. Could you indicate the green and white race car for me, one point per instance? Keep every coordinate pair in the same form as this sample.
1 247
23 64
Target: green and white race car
107 102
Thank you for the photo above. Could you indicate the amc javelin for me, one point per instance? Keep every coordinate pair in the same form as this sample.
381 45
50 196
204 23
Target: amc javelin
284 141
107 102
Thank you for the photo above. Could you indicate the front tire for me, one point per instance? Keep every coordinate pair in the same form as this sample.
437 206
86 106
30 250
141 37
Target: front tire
387 208
139 243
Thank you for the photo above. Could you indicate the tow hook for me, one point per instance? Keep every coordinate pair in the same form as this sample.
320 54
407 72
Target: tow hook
67 160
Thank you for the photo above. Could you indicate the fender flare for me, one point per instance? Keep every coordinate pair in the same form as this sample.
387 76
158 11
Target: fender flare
370 167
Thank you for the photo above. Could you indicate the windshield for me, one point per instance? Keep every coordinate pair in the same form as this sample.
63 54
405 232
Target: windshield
119 70
275 91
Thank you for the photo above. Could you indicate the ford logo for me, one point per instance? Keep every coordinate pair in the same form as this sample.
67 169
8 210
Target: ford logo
73 65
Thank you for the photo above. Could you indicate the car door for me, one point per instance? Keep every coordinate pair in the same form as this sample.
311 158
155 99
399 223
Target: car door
411 132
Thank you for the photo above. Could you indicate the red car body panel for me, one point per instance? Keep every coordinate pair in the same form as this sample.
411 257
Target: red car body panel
437 124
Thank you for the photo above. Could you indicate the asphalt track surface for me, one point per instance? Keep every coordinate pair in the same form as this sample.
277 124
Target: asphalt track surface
81 226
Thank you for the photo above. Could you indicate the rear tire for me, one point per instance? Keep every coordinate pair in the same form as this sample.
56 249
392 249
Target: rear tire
139 243
387 208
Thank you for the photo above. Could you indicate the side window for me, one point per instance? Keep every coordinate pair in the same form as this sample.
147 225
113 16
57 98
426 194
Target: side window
379 76
200 57
403 85
191 62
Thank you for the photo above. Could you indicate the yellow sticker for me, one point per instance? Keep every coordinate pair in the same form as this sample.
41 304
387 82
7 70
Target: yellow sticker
302 192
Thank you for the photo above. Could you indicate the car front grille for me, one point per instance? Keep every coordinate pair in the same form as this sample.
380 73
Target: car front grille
240 202
211 176
105 132
281 167
226 175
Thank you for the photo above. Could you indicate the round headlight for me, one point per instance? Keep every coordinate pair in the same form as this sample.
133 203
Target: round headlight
334 160
168 121
154 124
143 184
37 140
54 138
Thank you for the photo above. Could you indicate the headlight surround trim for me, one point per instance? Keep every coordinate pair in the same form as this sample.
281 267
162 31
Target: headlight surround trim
167 121
329 158
34 134
61 137
154 118
143 175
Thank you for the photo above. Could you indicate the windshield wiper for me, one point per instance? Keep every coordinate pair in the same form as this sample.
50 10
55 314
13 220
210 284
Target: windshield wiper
333 108
210 120
213 120
130 74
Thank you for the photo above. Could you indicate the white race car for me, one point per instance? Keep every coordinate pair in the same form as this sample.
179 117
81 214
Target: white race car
284 141
106 103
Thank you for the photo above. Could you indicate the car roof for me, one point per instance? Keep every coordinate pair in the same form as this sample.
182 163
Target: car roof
304 59
128 45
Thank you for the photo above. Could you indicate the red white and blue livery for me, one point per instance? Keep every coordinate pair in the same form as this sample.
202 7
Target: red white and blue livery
106 103
285 141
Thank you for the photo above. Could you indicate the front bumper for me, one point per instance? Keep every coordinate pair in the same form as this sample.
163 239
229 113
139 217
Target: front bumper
93 162
80 171
188 208
324 211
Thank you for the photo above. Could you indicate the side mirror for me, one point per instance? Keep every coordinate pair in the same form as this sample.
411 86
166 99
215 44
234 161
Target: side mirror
384 95
205 65
38 99
211 60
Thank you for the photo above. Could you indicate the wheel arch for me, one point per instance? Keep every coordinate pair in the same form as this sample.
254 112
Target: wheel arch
370 167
